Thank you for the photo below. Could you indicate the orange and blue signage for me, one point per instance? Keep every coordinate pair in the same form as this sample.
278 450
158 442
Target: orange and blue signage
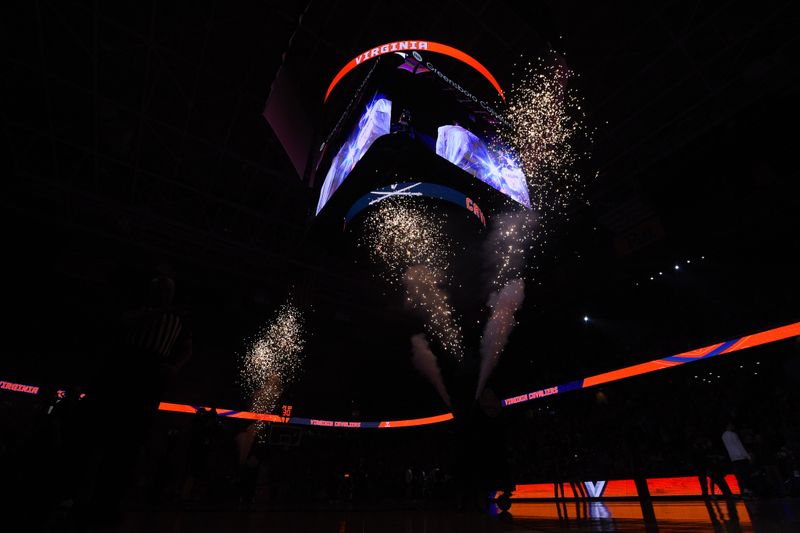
748 341
733 345
410 46
415 189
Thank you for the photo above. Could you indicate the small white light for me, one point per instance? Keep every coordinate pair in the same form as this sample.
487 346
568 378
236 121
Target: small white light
660 273
688 261
651 278
585 318
702 257
677 267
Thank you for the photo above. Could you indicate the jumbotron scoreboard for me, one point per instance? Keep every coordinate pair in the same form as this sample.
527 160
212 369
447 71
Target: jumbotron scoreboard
409 128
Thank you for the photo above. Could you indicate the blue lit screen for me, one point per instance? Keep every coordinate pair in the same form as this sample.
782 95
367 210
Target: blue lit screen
375 122
494 167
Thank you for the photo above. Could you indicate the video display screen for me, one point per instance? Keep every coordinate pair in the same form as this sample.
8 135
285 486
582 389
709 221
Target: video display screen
374 122
409 98
493 167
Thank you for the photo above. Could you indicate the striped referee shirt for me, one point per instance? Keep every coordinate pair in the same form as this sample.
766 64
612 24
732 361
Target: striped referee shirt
156 332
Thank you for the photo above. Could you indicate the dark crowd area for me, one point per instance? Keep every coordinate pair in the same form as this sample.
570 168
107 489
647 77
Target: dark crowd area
663 424
204 459
671 423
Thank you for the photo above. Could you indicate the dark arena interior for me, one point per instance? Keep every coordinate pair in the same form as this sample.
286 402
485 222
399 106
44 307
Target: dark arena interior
276 266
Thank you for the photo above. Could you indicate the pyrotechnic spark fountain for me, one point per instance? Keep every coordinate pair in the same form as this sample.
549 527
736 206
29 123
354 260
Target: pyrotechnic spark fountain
547 129
273 358
424 293
506 250
399 234
265 398
507 245
407 240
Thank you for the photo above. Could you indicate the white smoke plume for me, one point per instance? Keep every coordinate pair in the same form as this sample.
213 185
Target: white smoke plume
424 293
424 361
504 303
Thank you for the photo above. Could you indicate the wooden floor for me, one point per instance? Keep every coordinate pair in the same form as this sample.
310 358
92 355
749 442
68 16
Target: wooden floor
684 516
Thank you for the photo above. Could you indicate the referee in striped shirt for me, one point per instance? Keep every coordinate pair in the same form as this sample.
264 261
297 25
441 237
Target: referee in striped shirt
153 331
155 344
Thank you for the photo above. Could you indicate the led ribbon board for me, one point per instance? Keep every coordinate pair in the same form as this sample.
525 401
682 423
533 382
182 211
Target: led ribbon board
400 190
733 345
353 424
19 387
428 46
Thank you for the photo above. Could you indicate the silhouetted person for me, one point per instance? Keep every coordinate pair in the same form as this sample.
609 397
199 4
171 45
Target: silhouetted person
164 467
248 464
403 124
709 469
739 457
708 464
127 392
202 436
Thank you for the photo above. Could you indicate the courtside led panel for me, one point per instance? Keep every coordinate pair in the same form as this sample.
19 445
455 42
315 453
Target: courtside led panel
617 488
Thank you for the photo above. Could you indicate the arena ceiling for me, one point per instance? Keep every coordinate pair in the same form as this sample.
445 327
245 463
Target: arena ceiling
134 134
